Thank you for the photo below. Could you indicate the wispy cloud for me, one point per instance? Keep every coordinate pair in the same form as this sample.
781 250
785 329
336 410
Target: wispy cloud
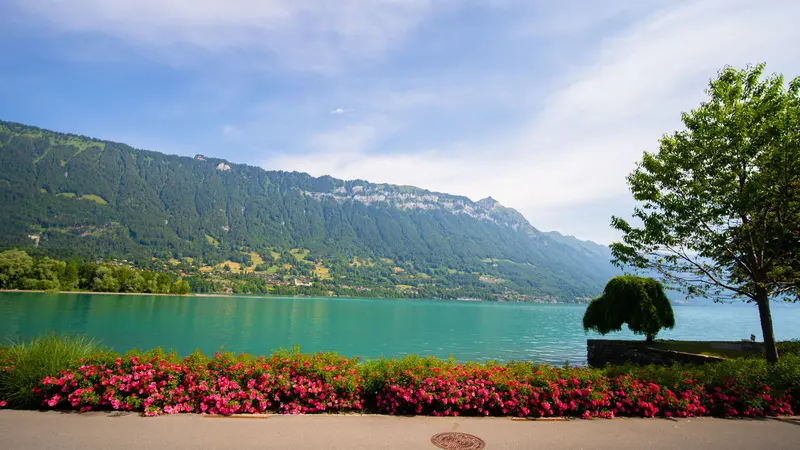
543 105
302 34
577 146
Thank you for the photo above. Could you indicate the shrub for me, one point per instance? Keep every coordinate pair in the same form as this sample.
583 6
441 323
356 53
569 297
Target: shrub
25 365
158 382
639 302
789 348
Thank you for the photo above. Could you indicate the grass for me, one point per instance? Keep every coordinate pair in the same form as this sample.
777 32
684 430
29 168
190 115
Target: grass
41 357
213 242
82 144
710 349
255 260
234 266
322 272
359 262
95 198
299 253
698 348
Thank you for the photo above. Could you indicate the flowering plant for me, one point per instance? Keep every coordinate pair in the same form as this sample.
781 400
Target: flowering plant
290 382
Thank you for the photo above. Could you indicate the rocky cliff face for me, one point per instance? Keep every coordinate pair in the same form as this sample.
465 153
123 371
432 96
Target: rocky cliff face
406 197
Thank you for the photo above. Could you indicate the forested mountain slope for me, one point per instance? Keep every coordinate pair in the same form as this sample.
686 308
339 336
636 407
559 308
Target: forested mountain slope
68 195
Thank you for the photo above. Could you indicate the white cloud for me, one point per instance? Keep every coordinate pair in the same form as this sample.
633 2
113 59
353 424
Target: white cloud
478 111
231 131
352 139
578 145
305 34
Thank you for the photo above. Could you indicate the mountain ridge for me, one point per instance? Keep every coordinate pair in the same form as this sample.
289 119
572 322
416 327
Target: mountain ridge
74 192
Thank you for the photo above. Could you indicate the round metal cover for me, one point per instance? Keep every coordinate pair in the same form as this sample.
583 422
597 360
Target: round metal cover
457 441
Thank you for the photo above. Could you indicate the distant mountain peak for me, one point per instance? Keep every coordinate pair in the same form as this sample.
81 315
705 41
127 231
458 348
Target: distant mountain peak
488 203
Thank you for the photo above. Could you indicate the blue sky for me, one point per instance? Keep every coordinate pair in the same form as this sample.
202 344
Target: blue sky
545 106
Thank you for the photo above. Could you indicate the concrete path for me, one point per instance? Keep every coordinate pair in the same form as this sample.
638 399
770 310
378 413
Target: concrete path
44 430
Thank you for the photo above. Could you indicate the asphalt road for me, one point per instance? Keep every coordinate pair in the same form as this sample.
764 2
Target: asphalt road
44 430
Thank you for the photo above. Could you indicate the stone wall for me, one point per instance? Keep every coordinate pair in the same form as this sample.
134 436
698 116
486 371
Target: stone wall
604 351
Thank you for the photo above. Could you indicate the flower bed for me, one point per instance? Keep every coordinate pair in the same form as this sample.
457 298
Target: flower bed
290 382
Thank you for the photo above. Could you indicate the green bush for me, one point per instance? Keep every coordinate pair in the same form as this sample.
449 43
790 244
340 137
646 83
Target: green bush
789 348
745 386
27 364
636 301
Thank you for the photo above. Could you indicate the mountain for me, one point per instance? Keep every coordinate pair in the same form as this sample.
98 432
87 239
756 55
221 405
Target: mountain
73 196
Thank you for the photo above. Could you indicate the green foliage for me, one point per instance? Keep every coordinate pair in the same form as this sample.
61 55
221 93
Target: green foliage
42 273
789 347
720 200
51 363
41 357
104 280
180 287
636 301
15 265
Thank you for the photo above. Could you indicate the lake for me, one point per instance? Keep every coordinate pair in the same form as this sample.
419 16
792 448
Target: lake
475 331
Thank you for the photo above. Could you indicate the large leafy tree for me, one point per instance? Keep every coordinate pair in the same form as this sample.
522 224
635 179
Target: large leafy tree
719 211
15 265
636 301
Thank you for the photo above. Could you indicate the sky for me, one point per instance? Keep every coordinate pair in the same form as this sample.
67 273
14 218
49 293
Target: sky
544 105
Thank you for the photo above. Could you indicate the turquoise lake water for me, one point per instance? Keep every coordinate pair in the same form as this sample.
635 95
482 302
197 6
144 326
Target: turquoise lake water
475 331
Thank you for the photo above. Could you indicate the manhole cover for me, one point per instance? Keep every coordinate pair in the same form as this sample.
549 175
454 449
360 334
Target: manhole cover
457 441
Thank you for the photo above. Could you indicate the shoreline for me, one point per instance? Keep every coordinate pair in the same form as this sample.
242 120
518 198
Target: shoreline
233 295
99 293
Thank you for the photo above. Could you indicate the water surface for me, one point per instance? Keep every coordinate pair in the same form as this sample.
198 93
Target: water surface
476 331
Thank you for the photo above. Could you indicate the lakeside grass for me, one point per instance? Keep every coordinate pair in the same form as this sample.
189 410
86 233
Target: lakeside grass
705 348
38 358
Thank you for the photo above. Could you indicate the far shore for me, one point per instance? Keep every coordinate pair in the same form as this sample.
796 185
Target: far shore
109 293
216 294
265 295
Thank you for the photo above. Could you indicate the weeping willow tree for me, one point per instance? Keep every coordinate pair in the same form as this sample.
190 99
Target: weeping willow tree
636 301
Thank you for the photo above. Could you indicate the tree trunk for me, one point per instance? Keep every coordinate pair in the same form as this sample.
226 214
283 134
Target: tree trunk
650 337
770 349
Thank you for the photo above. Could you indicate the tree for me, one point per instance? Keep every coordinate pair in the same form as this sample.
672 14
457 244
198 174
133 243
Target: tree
104 280
162 283
14 266
49 269
130 280
69 281
180 287
636 301
720 200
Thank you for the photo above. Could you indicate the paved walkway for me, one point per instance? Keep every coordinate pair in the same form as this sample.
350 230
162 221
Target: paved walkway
42 430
